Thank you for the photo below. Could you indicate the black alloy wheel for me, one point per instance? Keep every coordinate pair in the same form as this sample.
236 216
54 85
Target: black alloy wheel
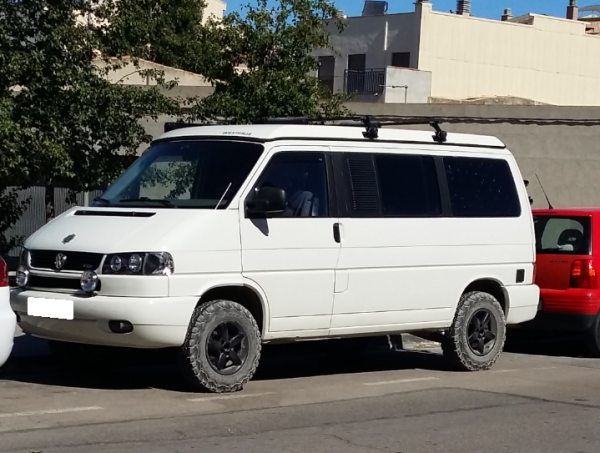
477 334
482 331
226 349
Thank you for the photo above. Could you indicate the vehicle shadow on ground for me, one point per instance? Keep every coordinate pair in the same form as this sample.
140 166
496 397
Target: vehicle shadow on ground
135 369
144 369
549 344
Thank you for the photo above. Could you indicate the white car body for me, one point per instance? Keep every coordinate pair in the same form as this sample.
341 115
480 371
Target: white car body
8 320
385 275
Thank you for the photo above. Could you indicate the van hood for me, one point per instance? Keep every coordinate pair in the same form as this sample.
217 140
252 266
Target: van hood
120 230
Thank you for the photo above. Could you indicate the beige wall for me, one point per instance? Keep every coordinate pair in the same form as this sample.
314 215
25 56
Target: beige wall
128 74
551 61
215 8
408 86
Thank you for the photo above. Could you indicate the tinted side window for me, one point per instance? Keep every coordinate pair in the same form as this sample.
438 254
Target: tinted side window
481 187
303 176
408 186
562 235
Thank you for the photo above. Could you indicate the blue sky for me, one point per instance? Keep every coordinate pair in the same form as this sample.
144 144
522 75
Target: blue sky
491 9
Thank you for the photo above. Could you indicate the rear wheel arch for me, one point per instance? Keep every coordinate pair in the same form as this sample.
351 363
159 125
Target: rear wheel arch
494 288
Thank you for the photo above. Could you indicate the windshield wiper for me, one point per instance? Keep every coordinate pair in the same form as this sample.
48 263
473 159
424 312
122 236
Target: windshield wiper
151 200
103 200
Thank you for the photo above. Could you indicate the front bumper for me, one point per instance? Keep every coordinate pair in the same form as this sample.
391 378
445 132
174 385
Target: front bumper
157 322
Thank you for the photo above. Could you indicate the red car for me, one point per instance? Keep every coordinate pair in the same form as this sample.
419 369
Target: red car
568 258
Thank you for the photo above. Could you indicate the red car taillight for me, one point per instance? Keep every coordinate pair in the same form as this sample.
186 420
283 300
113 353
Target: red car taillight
3 274
583 275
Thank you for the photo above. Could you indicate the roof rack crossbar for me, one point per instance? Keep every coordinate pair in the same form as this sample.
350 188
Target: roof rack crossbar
371 123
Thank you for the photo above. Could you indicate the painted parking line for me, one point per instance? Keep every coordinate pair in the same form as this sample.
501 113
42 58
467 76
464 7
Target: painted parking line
401 381
525 369
52 412
229 397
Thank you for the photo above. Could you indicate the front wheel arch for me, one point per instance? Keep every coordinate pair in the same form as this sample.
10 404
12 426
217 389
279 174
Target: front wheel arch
244 295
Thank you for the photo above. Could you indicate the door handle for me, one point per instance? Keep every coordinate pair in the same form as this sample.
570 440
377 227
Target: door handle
336 232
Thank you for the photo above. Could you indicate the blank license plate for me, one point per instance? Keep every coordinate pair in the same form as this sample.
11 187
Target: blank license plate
50 308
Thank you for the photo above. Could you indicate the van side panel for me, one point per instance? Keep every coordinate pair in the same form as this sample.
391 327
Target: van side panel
411 272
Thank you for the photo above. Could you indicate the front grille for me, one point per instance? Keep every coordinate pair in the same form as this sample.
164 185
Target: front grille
56 284
75 261
37 281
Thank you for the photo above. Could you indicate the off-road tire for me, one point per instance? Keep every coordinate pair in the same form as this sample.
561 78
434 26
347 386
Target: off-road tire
592 338
193 358
455 345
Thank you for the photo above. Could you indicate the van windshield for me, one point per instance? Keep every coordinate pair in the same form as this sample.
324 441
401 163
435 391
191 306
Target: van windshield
563 235
199 174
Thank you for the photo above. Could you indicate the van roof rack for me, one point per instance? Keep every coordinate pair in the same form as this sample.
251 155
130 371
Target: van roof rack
372 124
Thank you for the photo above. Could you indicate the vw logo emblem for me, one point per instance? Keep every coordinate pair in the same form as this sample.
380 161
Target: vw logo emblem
60 261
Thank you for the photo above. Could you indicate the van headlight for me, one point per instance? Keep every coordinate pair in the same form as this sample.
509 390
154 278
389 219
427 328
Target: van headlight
24 257
146 263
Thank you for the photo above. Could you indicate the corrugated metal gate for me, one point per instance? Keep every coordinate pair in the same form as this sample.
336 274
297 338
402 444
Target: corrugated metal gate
35 215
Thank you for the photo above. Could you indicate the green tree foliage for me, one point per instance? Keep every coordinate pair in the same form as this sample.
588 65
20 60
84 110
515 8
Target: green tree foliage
261 64
61 120
168 32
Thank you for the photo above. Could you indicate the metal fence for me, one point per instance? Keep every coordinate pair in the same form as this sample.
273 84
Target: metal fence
369 81
35 215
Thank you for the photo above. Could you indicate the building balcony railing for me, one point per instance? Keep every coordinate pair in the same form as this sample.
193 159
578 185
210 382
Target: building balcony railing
368 81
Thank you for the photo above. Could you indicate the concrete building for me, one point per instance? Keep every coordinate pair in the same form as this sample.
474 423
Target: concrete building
214 8
431 56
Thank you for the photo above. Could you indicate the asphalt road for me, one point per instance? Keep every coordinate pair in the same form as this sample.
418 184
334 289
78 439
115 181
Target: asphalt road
540 397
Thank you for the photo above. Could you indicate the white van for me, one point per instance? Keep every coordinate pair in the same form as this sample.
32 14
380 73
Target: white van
221 238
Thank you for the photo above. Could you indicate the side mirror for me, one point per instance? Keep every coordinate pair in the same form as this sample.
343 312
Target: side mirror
267 200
